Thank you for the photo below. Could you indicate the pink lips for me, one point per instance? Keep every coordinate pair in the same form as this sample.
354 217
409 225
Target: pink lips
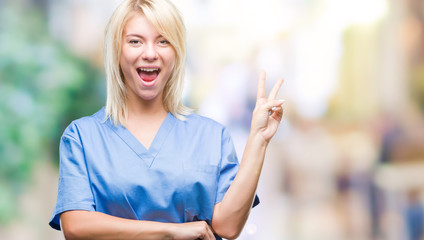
148 75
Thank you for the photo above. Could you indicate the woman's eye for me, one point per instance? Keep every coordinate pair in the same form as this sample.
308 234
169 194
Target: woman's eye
134 42
164 42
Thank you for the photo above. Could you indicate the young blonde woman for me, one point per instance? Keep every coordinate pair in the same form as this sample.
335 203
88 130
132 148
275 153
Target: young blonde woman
145 166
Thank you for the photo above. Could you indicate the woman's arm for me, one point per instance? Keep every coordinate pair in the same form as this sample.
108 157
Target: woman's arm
79 224
231 213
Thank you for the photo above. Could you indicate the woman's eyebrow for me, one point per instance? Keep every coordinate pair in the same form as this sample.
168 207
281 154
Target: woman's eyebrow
133 35
140 36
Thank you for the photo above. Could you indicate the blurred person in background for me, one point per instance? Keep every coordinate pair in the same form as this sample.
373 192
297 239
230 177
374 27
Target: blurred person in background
414 215
145 166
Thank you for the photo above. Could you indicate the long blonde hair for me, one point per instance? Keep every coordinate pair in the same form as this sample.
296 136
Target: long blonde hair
164 16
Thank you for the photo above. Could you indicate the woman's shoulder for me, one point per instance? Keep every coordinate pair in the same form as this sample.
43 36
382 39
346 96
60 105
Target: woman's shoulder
195 118
203 123
86 123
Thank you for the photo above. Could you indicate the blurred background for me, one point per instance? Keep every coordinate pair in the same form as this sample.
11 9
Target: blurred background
347 162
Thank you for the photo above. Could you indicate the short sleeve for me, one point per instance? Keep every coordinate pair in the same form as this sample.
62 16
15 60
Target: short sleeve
228 168
74 192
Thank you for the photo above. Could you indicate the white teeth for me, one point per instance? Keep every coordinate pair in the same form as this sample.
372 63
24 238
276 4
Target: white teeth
148 69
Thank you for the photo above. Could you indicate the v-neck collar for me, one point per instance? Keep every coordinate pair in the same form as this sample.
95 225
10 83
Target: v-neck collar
148 155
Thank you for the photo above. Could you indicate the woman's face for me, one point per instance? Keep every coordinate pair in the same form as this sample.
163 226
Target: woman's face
147 59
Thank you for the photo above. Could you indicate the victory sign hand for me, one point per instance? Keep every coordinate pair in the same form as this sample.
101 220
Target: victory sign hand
268 112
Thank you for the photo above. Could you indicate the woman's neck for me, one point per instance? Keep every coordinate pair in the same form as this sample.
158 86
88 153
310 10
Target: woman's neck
145 109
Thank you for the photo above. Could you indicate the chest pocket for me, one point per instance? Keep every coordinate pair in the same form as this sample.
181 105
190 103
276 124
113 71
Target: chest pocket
200 188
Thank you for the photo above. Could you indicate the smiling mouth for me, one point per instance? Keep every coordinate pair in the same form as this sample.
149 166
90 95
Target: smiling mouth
148 74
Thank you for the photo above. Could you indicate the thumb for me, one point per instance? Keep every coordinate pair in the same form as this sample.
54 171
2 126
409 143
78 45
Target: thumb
274 104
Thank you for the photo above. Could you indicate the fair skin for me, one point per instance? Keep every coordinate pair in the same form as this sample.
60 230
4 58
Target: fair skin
143 47
147 61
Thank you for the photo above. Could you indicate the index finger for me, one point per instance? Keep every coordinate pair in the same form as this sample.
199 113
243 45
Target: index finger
276 89
261 85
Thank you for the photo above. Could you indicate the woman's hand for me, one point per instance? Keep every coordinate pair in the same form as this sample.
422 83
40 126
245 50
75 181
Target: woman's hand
230 215
193 231
268 112
80 224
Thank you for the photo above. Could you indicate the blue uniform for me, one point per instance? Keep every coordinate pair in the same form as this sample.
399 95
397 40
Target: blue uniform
185 172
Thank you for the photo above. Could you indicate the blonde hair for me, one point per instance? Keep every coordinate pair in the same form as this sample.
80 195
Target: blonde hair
164 16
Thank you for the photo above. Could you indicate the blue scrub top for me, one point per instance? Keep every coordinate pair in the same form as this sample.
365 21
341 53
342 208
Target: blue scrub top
185 172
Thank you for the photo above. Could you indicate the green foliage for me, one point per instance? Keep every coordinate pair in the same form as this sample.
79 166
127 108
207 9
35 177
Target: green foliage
43 87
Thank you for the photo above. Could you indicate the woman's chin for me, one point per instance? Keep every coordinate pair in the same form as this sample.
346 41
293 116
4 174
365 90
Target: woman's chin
148 96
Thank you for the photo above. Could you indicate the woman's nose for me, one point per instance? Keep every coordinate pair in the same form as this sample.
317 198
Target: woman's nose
149 53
